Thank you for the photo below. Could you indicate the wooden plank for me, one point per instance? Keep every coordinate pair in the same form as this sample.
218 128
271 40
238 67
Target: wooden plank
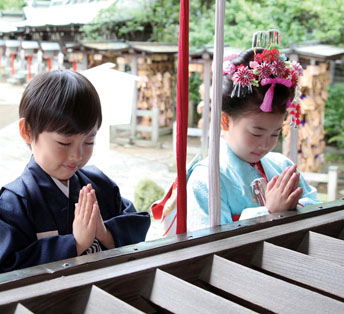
179 296
323 247
267 292
145 264
106 258
315 177
302 268
21 309
341 235
102 302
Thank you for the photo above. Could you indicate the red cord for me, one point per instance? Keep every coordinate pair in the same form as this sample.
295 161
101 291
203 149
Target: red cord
182 113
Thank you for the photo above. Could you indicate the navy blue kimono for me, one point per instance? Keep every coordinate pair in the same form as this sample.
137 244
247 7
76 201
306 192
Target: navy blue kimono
36 217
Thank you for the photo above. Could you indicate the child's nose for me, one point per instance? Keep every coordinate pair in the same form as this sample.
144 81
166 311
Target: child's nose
265 143
76 153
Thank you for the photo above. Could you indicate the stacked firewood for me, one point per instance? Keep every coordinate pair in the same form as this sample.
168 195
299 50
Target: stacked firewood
156 88
311 135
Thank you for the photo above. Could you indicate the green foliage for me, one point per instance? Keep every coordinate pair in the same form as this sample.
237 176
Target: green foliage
12 5
298 21
194 95
334 115
334 158
146 193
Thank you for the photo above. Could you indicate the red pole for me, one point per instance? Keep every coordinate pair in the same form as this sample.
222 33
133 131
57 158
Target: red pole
74 66
49 64
12 64
29 68
182 113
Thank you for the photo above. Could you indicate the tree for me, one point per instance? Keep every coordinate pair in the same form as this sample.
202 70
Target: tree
299 21
12 5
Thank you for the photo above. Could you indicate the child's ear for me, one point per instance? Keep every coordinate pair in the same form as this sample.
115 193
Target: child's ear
24 131
224 121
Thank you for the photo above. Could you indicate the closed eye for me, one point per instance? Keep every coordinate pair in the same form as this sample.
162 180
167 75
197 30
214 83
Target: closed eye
63 144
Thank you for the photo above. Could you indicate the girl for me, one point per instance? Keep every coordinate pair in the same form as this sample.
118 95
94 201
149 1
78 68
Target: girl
58 208
258 86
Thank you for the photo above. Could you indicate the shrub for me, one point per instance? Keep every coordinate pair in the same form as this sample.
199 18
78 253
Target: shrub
146 193
334 115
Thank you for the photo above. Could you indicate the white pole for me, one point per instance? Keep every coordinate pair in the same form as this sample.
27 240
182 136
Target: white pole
206 108
214 144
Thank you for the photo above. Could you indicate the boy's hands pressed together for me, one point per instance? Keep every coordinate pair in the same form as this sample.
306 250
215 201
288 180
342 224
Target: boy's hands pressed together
102 233
85 220
282 192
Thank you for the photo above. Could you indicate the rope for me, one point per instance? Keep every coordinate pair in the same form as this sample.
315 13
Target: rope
182 113
214 143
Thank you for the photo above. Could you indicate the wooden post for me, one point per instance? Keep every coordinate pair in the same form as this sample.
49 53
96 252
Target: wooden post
29 68
191 113
155 124
134 104
294 138
49 64
332 71
332 183
12 64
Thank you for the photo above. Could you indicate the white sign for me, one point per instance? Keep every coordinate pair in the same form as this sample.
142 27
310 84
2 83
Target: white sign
116 93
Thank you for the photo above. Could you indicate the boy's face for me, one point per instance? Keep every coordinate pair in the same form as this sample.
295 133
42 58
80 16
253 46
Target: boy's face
252 136
61 156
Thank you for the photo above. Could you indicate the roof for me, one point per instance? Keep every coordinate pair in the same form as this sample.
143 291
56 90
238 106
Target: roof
210 50
148 47
8 21
317 51
12 43
80 12
49 46
29 44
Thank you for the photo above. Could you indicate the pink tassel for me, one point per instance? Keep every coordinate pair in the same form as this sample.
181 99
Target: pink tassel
269 95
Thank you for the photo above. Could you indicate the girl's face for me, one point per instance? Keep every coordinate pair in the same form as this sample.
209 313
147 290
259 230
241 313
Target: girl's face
254 135
60 155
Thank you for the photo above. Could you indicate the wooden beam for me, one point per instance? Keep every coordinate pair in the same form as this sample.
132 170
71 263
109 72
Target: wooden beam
149 263
301 268
21 309
102 302
267 292
323 247
179 296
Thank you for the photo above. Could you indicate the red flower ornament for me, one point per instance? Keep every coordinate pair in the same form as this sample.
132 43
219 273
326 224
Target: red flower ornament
243 76
267 55
264 70
275 55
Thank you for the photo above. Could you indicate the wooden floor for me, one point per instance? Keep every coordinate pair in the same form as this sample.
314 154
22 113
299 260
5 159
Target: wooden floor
290 264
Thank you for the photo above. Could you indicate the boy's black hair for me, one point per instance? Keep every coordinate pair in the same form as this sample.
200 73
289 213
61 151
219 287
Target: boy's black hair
251 102
60 101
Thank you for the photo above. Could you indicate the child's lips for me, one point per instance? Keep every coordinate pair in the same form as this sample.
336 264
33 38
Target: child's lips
257 154
71 167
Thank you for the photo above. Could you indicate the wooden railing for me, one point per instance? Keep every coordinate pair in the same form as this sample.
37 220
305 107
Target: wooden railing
286 263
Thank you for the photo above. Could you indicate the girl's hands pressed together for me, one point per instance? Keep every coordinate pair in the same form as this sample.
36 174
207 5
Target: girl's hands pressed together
282 192
85 220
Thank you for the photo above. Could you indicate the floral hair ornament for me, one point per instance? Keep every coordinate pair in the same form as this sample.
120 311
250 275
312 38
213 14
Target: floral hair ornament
268 68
